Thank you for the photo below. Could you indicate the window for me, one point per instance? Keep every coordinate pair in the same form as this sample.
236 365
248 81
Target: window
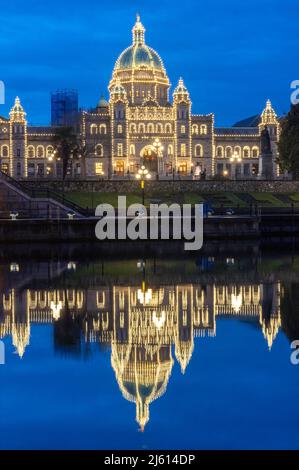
31 169
219 152
31 151
150 128
141 129
40 151
119 150
4 168
159 128
182 169
19 169
255 152
246 152
168 128
203 129
99 150
170 150
119 129
93 129
237 151
183 150
4 151
18 152
194 129
133 128
228 152
132 150
198 150
50 151
119 168
103 129
183 129
99 168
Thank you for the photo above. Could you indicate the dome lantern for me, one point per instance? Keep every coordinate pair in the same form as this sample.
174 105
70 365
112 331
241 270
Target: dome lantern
138 32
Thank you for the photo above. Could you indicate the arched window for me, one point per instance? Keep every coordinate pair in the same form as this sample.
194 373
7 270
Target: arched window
195 129
4 151
246 152
99 150
237 151
168 128
49 151
119 129
132 150
103 129
219 151
40 151
133 128
198 150
170 150
93 129
159 128
120 150
183 129
255 152
228 152
141 128
203 129
150 128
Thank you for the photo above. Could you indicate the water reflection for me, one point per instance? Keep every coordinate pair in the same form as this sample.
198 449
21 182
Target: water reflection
148 322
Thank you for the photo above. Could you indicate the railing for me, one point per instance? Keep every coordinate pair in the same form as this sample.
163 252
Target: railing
44 193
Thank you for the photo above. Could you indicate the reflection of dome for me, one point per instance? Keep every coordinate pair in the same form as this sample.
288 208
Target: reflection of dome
142 378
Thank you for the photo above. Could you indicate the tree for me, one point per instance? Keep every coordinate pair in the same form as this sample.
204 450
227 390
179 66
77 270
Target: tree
68 147
288 145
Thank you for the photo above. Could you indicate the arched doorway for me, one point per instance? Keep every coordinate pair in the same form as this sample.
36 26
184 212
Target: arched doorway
149 159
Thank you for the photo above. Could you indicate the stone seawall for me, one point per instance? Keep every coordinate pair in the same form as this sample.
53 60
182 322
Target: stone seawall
160 187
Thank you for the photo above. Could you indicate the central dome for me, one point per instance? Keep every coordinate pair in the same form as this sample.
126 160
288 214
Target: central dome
140 71
139 55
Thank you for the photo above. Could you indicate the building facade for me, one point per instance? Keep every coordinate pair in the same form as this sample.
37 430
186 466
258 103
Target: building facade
140 125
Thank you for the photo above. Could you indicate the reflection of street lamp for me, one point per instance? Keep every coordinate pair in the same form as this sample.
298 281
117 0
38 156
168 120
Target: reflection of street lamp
142 175
225 173
235 158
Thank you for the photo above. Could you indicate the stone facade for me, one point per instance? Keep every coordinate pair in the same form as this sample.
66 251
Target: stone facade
140 125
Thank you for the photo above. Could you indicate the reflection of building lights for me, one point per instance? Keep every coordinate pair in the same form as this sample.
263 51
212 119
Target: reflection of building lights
14 268
230 260
144 296
159 322
71 266
236 302
56 309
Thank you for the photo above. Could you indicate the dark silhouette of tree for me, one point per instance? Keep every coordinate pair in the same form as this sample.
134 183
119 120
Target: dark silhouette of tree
288 145
68 147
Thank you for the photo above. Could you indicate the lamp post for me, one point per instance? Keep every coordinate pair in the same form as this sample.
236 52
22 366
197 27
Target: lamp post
158 148
235 158
142 175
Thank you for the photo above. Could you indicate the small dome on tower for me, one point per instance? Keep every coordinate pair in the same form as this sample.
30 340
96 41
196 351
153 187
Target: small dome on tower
103 103
268 115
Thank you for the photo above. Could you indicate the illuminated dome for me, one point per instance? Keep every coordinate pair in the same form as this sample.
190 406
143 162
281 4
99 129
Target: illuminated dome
140 70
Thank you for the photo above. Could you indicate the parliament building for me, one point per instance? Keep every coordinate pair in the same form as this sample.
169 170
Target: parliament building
141 125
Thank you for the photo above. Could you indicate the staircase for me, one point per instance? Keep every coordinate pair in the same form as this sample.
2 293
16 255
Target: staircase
33 203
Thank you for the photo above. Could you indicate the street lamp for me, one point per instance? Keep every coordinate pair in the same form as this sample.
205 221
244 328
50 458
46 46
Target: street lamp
142 175
235 158
158 147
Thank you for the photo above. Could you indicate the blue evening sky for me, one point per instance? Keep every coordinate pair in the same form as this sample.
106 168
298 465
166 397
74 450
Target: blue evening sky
232 54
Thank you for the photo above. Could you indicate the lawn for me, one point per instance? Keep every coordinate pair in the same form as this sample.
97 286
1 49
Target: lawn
219 199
